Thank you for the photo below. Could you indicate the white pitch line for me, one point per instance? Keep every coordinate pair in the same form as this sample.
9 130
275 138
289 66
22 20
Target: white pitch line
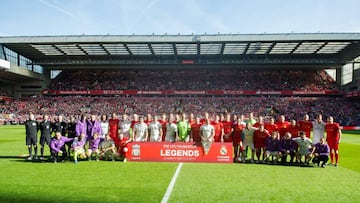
171 185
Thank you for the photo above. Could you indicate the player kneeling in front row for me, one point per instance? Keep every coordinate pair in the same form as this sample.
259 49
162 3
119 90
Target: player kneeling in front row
78 147
321 153
287 146
107 148
305 148
272 147
94 147
58 146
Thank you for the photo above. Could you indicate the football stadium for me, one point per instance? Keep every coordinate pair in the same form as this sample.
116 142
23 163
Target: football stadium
138 87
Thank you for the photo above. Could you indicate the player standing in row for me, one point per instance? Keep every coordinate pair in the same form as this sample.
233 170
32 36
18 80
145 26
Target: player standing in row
93 126
155 130
171 130
183 128
305 125
333 137
318 129
282 125
60 125
219 129
195 131
207 134
228 128
260 136
248 135
104 125
45 134
140 132
238 138
71 132
114 128
81 126
31 128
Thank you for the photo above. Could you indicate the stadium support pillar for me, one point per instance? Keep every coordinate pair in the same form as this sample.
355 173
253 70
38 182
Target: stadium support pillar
338 76
2 52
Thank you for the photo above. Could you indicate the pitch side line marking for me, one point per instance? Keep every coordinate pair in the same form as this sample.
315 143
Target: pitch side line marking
171 185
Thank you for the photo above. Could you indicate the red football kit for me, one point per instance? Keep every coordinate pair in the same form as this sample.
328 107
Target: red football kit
259 138
227 129
332 135
218 127
305 126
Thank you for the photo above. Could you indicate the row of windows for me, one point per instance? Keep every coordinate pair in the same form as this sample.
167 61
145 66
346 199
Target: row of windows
23 62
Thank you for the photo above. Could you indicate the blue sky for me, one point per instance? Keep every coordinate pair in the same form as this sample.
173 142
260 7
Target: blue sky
144 17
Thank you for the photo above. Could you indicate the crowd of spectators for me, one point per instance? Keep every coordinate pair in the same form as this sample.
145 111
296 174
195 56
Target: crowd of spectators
197 79
344 112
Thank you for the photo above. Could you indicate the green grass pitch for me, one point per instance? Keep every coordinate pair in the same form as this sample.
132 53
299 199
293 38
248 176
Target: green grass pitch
23 181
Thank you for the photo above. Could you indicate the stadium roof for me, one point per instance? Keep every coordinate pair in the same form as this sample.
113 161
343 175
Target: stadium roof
325 50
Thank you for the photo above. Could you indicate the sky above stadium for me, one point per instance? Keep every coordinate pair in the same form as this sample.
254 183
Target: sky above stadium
185 17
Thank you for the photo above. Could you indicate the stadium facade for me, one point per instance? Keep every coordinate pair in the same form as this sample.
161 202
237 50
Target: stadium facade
27 62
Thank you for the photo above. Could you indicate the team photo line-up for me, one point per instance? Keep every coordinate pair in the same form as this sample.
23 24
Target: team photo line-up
270 140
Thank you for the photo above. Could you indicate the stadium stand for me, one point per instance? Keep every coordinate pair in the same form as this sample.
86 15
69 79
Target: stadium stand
218 79
292 107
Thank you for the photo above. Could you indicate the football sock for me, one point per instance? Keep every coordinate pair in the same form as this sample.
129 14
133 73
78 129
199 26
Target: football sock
30 151
35 150
332 157
337 158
